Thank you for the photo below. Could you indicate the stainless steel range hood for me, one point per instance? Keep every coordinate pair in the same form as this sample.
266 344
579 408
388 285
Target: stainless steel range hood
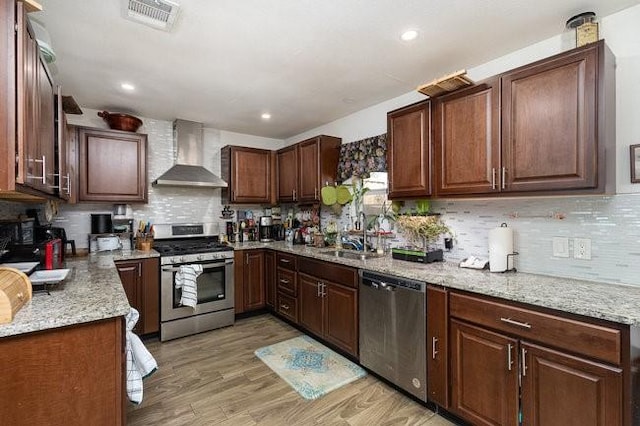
188 171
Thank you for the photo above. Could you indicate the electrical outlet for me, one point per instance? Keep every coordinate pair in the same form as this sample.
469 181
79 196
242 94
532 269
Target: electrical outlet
582 248
560 247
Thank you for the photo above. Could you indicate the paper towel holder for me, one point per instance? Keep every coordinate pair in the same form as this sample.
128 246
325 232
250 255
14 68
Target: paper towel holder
513 269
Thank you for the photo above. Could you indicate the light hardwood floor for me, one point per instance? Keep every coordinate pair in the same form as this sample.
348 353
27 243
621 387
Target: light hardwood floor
214 378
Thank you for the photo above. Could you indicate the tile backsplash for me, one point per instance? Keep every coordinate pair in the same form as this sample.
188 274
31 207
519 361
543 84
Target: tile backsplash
611 222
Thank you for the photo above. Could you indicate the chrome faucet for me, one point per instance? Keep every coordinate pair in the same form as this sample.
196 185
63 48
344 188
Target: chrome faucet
364 229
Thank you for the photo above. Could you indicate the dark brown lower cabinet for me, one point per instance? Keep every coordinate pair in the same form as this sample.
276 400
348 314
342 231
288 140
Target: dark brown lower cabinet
514 364
64 376
270 278
249 280
560 389
328 302
437 344
141 281
484 375
311 301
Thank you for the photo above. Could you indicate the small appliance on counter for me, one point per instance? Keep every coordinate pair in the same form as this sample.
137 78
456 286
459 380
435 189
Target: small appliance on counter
19 231
101 223
266 229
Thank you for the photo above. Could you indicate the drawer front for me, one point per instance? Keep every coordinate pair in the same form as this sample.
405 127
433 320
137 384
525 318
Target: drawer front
288 307
287 282
287 261
587 339
329 271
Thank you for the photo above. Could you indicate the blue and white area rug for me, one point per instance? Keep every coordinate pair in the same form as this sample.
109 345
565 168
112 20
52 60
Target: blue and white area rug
310 368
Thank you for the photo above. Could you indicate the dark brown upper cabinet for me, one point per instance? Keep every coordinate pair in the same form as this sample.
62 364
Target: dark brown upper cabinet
305 167
467 140
287 160
27 145
112 166
543 128
409 151
249 174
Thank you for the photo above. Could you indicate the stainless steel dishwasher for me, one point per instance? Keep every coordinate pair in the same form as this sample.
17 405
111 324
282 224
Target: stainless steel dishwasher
393 330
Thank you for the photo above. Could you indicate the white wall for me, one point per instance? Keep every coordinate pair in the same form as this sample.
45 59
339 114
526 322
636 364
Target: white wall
611 222
166 204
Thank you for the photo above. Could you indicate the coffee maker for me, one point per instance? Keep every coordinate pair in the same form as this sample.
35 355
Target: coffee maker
266 229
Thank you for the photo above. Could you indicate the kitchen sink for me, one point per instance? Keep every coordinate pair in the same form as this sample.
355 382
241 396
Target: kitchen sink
351 254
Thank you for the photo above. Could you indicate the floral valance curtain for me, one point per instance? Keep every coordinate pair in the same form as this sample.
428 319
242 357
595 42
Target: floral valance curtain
362 157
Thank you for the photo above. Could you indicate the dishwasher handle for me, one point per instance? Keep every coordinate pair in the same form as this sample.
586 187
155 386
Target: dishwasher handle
379 285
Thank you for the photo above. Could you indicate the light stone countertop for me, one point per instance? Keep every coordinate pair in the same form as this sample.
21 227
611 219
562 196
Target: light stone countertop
613 302
91 292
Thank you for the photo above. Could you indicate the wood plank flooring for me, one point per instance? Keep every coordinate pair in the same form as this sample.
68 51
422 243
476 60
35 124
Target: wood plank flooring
214 378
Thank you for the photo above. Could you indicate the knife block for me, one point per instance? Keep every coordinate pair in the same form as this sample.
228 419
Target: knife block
15 291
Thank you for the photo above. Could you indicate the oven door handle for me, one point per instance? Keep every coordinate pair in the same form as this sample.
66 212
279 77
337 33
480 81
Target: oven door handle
205 266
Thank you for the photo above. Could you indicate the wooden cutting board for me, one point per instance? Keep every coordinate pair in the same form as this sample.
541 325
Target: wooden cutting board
15 291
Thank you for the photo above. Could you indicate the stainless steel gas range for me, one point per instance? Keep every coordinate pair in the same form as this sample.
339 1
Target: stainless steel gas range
194 244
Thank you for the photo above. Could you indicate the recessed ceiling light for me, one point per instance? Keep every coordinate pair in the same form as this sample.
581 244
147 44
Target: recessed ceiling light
409 35
128 86
266 116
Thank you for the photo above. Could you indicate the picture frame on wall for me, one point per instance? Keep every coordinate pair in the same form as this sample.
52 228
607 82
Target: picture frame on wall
635 163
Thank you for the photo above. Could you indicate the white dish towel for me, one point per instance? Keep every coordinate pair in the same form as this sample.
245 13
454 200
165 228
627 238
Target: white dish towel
187 280
140 362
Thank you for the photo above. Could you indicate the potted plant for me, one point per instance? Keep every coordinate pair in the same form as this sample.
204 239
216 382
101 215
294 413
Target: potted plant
422 230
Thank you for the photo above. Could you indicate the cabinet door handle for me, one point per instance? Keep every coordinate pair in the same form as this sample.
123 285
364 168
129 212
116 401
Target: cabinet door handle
315 193
434 351
283 281
294 195
493 178
285 307
509 359
524 362
68 184
318 287
516 323
139 270
44 169
504 173
324 290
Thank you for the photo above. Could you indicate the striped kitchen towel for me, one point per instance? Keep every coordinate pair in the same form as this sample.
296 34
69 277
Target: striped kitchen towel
140 362
187 280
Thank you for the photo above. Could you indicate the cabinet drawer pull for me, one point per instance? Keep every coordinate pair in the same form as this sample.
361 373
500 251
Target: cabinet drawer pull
516 323
285 307
434 352
509 359
524 362
285 261
283 281
493 178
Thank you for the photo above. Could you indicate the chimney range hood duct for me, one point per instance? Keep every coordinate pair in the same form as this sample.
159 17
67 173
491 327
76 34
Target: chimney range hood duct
188 171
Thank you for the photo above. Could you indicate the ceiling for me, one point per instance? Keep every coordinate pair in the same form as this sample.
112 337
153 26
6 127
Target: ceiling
306 62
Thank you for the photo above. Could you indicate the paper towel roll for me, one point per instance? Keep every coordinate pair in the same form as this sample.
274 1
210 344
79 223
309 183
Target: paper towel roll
500 245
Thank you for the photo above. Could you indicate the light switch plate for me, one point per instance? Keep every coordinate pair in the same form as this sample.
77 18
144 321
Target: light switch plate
560 247
582 248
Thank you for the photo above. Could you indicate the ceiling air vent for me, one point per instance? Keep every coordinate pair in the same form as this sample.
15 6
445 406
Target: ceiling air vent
160 14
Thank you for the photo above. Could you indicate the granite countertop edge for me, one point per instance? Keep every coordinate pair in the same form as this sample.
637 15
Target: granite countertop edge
92 292
607 301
